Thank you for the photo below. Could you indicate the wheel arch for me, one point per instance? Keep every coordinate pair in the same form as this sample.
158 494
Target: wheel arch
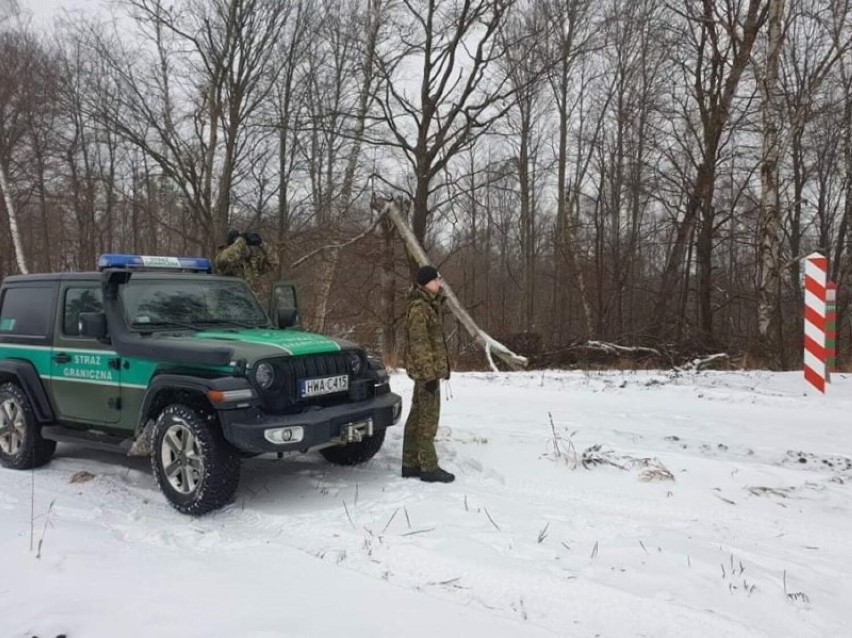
24 374
167 389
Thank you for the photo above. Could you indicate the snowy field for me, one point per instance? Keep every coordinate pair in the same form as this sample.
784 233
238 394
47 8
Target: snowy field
653 504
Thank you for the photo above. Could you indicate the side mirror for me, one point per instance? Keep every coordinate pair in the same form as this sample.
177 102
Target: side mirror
287 317
93 324
284 299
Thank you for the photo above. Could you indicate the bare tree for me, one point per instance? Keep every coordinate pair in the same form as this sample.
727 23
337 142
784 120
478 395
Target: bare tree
21 72
769 323
633 64
524 39
719 38
572 37
449 48
187 98
352 62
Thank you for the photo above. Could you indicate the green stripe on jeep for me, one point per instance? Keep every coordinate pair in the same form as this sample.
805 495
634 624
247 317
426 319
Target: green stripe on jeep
136 374
39 356
295 342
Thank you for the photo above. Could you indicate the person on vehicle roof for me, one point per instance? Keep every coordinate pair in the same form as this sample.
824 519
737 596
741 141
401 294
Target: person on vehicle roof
244 255
427 362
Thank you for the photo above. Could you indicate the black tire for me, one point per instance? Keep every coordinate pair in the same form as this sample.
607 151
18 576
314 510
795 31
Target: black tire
196 469
355 453
21 445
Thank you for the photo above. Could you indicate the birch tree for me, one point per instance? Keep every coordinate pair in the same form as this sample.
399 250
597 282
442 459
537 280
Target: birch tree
769 323
354 36
19 77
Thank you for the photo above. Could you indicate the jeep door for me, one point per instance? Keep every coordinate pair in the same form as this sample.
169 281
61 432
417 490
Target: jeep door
85 374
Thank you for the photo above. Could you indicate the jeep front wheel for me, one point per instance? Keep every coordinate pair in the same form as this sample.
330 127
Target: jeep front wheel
196 469
355 453
21 445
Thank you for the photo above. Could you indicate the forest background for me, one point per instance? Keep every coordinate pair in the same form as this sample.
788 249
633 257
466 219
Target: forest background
638 172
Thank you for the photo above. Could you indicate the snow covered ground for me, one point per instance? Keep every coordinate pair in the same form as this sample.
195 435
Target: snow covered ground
749 536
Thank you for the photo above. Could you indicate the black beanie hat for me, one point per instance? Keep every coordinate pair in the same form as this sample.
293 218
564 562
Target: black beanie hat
426 274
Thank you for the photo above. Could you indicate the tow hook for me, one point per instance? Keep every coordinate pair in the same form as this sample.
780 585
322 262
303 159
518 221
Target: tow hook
356 432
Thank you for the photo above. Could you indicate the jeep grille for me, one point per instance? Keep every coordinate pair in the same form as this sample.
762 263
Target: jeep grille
290 371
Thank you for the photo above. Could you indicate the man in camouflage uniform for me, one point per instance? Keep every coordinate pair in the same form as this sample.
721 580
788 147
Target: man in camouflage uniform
427 362
245 256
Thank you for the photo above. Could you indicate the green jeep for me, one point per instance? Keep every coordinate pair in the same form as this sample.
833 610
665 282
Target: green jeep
156 356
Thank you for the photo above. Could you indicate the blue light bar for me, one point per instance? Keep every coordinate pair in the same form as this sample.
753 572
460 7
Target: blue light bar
113 260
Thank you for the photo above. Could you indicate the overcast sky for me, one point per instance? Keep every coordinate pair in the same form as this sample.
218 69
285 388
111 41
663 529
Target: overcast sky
45 10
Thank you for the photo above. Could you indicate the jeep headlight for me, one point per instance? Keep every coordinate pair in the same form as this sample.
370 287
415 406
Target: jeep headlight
264 375
355 363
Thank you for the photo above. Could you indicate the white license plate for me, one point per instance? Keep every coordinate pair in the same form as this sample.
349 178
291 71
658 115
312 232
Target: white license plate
323 385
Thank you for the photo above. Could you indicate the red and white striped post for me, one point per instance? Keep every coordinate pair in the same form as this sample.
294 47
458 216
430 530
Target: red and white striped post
816 280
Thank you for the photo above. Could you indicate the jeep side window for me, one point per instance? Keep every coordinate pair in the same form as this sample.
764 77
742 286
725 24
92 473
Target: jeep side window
79 300
25 313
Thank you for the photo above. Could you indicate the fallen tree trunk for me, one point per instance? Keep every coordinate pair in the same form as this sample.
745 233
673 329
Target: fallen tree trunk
392 209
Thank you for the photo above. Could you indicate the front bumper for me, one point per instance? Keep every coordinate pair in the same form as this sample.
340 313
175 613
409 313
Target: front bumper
245 429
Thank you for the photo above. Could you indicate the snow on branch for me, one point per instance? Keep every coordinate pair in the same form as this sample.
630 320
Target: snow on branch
700 363
614 348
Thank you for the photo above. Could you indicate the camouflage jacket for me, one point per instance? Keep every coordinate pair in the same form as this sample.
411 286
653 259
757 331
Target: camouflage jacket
248 262
426 355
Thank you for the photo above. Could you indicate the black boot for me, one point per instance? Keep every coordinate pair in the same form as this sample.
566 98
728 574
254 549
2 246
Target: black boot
410 472
437 476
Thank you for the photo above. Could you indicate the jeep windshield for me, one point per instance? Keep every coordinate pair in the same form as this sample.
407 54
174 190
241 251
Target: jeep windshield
194 304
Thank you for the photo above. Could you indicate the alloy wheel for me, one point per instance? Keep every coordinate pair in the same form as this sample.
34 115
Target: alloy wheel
181 457
12 427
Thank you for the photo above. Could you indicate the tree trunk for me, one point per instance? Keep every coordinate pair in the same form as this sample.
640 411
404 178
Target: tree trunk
14 230
388 292
345 201
714 93
769 286
326 283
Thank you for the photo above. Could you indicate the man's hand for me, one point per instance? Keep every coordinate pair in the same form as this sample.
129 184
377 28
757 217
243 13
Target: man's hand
253 239
431 386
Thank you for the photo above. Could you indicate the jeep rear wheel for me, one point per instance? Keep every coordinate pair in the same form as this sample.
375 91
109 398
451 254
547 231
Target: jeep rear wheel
355 453
196 469
21 445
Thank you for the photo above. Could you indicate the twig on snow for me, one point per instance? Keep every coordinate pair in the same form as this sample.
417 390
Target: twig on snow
389 520
346 509
418 531
497 527
44 529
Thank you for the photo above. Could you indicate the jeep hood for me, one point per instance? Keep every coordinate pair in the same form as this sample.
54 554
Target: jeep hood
258 343
221 347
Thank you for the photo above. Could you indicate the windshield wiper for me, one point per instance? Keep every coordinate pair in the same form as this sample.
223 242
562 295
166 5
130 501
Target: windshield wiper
141 325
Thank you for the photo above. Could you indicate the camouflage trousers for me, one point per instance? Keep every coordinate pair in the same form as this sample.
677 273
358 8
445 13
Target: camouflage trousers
418 443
